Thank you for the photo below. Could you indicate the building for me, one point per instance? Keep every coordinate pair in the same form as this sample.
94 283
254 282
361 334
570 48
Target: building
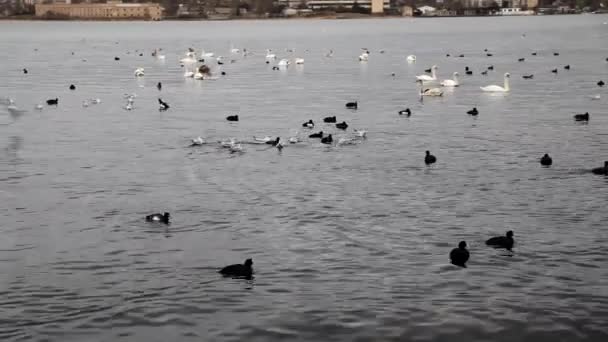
378 6
324 4
114 10
427 10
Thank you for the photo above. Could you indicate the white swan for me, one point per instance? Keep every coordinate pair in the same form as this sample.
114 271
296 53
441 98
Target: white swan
364 57
197 141
228 143
427 78
283 63
294 140
451 83
411 58
270 55
236 148
498 89
207 54
299 61
429 91
139 72
95 101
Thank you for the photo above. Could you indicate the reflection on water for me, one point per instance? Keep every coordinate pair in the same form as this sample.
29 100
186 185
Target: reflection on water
350 242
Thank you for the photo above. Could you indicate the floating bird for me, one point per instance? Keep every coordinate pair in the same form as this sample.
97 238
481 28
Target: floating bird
364 57
582 117
459 256
159 86
546 160
342 125
238 270
468 71
461 56
232 118
72 87
491 67
116 58
534 53
429 158
85 103
330 119
139 72
330 53
309 124
502 241
273 142
451 83
499 89
327 140
567 67
316 135
25 71
554 71
163 105
528 77
427 78
299 61
38 107
352 105
51 102
429 91
360 133
489 54
198 141
521 59
411 58
601 170
600 83
164 218
406 112
556 54
473 111
485 72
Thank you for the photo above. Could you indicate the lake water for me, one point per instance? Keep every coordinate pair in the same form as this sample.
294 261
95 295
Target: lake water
350 243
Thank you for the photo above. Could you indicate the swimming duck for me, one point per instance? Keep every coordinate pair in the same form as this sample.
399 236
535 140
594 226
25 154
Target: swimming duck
467 71
309 124
51 102
352 105
316 135
429 158
327 140
567 67
273 142
554 71
72 87
601 170
232 118
459 256
473 111
197 141
528 77
159 86
600 83
502 241
407 112
164 218
342 125
491 67
521 59
582 117
25 71
546 160
330 119
238 270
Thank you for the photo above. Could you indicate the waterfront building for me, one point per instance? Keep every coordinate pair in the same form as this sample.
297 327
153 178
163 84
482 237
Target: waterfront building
110 10
325 4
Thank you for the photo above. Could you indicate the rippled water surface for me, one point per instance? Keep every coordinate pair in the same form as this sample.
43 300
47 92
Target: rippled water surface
350 243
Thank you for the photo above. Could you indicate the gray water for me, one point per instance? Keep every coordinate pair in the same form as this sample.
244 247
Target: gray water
350 243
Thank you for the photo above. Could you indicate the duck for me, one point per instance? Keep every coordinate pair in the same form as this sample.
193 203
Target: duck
534 53
163 105
491 67
528 77
600 83
429 158
352 105
411 58
567 67
502 241
554 71
521 59
459 256
427 78
72 87
116 58
327 140
238 270
360 133
546 160
164 218
582 117
139 72
129 106
316 135
330 119
556 54
407 112
25 71
198 141
468 71
489 54
461 55
342 125
499 89
159 86
232 118
473 111
484 73
52 102
273 142
451 83
309 124
601 170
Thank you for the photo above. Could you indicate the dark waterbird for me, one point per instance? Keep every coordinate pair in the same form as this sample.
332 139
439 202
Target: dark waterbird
489 54
163 218
534 53
582 117
51 102
308 124
407 112
428 71
556 54
352 105
473 111
429 158
163 105
485 72
502 241
528 77
567 67
546 160
327 140
159 86
600 83
25 71
238 270
467 71
273 142
461 55
223 73
459 256
491 67
342 125
521 59
72 87
232 118
116 58
554 71
601 170
316 135
330 119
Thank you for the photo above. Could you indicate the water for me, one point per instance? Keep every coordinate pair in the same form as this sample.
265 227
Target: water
349 243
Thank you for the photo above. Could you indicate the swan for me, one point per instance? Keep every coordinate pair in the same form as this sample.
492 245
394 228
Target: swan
190 59
283 63
427 78
364 57
498 89
299 61
139 72
361 133
270 55
264 139
451 83
429 91
294 140
206 54
411 58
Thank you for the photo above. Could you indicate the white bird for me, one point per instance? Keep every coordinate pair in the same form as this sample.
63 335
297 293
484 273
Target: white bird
364 57
427 78
451 83
95 101
189 74
188 60
498 89
197 141
294 140
228 143
139 72
283 63
264 139
346 141
595 97
235 148
128 106
234 50
270 55
411 58
360 133
429 91
299 61
39 107
207 54
85 103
